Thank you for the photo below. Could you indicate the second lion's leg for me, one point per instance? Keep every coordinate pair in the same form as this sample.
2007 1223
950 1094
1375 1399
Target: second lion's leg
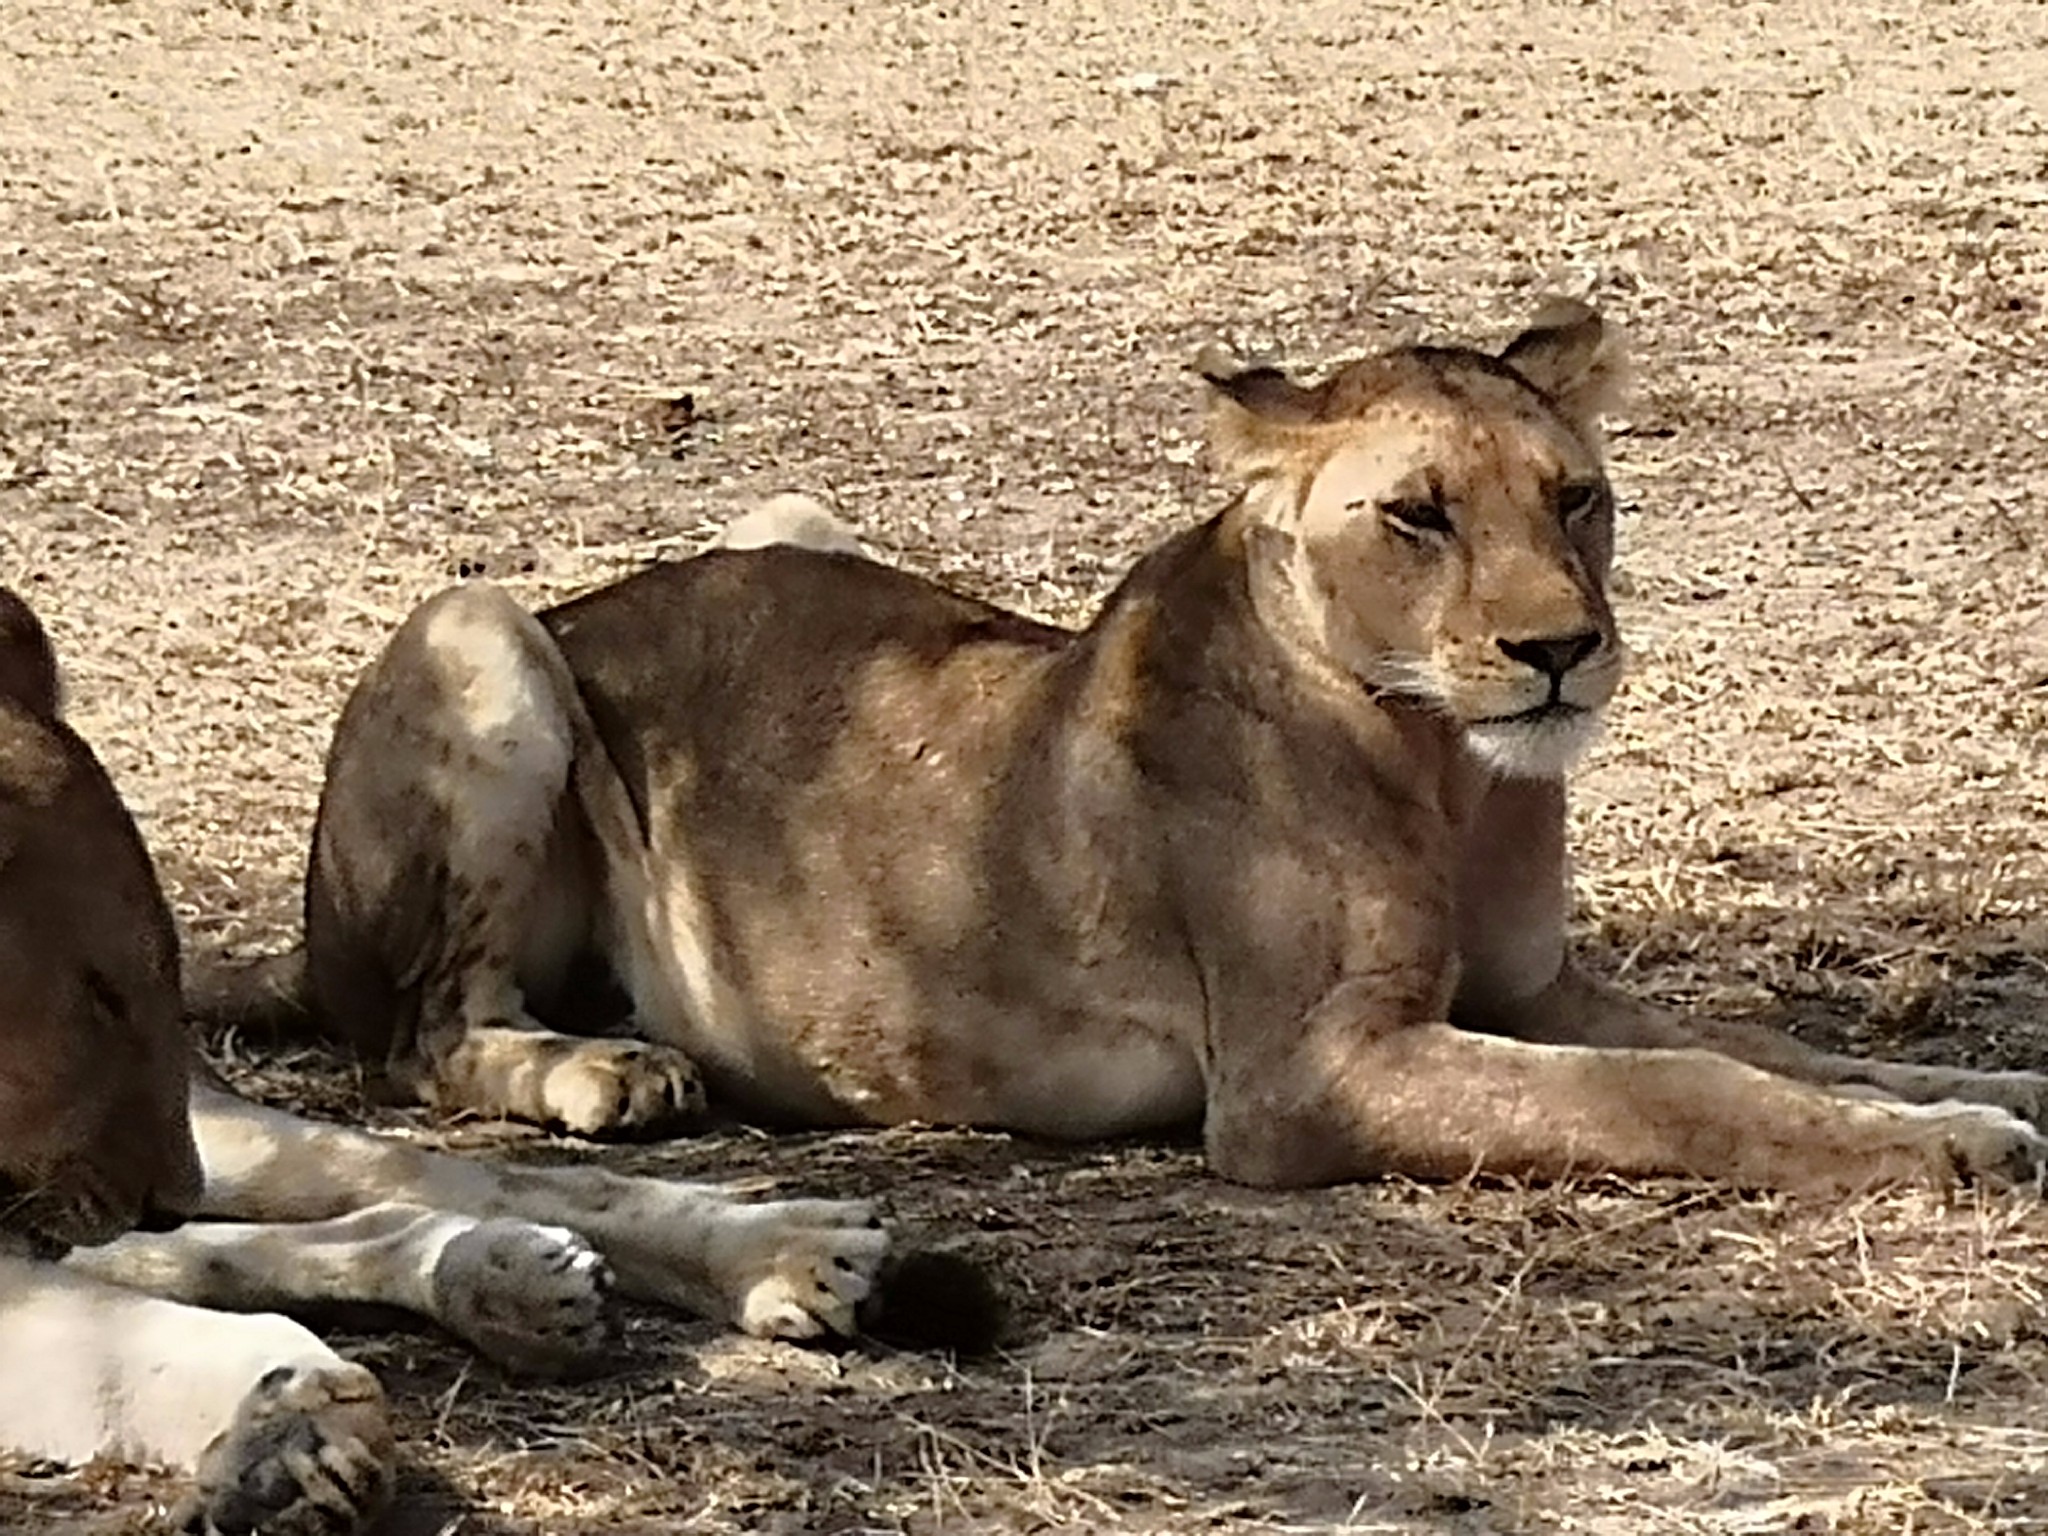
780 1268
451 885
285 1436
534 1299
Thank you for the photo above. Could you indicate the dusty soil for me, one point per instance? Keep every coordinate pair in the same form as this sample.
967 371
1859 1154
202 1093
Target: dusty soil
307 309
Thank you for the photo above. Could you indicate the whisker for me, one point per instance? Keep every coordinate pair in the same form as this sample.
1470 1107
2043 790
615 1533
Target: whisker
1410 676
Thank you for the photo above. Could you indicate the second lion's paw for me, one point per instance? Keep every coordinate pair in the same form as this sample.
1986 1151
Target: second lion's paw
533 1299
799 1269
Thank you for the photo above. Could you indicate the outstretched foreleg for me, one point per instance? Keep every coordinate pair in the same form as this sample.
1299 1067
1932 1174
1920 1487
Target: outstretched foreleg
1576 1009
780 1268
1355 1095
533 1298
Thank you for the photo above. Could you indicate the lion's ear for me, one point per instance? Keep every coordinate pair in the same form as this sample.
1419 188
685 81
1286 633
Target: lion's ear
28 667
1257 415
1574 357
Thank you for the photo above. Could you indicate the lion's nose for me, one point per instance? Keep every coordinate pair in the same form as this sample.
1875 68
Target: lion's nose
1553 655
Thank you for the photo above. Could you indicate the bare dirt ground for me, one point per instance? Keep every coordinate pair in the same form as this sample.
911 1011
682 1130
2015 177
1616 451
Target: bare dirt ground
307 309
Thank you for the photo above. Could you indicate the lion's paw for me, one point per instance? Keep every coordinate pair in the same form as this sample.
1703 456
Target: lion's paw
798 1269
534 1299
622 1087
2024 1094
1986 1144
310 1454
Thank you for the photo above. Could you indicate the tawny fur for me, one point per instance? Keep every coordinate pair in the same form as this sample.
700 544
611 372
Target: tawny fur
1273 846
164 1346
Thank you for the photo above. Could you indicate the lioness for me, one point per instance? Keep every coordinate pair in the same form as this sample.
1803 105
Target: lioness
102 1128
1275 844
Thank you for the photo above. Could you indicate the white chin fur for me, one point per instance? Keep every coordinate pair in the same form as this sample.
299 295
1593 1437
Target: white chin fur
1533 749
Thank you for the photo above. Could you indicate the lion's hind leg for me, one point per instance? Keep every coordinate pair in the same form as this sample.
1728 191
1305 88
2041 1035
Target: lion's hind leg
452 885
285 1436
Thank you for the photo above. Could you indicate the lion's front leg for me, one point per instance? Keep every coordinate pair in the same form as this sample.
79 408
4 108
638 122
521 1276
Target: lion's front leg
307 1453
284 1435
782 1268
1358 1095
789 1269
1577 1009
532 1298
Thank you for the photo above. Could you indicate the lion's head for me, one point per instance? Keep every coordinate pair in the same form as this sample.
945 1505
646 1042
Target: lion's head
1436 523
95 1130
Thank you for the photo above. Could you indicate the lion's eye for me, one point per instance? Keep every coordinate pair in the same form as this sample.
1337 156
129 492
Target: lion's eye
1416 519
1576 498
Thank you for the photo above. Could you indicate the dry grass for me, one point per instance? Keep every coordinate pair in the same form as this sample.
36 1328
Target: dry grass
306 308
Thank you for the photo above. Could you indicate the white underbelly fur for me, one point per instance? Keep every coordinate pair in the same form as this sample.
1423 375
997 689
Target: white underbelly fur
1107 1088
